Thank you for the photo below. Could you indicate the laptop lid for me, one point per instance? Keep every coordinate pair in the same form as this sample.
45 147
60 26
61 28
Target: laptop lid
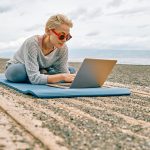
93 73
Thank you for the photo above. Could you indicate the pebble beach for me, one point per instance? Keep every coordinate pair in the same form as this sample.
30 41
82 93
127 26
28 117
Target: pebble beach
82 123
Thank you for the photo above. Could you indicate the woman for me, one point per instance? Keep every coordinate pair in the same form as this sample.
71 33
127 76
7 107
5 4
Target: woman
43 59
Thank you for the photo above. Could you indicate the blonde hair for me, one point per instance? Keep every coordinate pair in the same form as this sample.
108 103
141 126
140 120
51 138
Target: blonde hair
56 20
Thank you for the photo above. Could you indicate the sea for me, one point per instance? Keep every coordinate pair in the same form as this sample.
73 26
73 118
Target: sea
135 57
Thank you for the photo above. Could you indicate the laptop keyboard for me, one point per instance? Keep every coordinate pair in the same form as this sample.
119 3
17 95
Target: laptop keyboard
65 84
60 85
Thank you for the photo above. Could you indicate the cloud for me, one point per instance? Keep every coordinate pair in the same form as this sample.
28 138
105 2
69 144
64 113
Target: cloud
115 3
33 28
126 43
132 11
112 42
96 12
83 14
93 33
78 13
11 44
98 24
144 26
4 9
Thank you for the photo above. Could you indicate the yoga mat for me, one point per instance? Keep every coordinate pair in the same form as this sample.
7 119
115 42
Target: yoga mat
45 91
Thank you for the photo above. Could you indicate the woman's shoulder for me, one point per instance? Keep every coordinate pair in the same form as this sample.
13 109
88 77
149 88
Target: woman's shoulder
31 45
32 40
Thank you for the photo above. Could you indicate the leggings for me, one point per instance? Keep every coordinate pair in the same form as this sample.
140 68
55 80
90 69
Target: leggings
17 73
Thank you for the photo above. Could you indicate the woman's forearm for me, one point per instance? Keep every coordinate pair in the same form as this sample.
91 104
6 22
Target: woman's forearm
55 78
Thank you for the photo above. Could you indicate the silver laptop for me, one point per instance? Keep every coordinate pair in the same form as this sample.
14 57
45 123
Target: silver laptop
92 73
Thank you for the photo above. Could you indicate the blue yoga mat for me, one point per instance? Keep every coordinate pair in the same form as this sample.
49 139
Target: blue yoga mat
44 91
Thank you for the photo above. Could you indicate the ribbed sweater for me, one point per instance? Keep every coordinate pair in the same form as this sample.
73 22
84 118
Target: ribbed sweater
30 54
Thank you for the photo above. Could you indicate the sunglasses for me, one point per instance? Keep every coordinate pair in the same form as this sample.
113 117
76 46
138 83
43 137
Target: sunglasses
62 36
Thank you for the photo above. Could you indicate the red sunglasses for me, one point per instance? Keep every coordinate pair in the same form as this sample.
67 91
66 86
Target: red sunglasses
62 36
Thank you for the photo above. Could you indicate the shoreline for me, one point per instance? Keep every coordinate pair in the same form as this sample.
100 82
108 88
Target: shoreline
79 62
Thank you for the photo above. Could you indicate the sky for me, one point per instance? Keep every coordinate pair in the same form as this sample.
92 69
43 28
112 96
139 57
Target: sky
98 24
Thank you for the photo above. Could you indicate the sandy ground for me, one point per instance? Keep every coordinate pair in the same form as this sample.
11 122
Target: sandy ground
91 123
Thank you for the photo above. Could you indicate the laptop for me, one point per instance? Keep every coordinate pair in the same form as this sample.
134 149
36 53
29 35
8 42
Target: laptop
92 73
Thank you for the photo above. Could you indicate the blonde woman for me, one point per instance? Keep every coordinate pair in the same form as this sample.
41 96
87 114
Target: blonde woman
43 59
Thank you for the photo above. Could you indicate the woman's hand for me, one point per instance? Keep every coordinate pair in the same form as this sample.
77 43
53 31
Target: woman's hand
67 77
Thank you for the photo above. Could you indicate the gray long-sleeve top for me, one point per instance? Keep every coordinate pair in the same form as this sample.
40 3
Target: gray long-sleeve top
30 54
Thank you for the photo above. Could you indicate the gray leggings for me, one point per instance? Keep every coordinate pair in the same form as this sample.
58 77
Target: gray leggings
17 73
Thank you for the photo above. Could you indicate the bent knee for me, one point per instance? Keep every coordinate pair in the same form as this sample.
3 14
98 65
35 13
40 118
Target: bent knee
72 70
15 74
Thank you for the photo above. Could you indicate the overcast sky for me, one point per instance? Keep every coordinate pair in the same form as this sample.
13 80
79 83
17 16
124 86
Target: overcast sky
98 24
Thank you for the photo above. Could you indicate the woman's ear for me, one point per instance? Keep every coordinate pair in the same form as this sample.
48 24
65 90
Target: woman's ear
50 31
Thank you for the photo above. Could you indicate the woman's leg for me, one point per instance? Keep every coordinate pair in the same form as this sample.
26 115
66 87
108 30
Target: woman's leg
72 70
51 71
16 73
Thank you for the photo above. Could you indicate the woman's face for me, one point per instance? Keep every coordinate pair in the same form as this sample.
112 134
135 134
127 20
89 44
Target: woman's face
59 35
